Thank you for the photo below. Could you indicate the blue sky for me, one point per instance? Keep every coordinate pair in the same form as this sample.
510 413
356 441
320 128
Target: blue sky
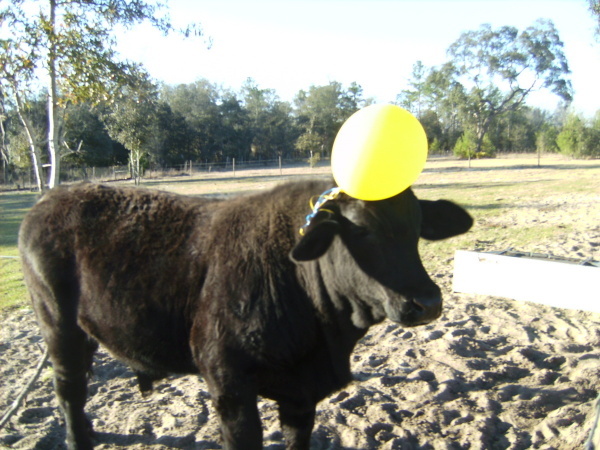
288 45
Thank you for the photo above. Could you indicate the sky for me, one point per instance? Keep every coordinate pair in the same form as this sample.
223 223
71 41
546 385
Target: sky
289 45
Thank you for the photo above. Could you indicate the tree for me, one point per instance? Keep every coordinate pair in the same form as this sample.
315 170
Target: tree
545 139
414 99
73 44
595 10
173 139
198 103
578 138
17 74
86 141
4 152
133 119
444 95
501 67
352 99
321 112
516 131
235 135
269 121
466 146
17 140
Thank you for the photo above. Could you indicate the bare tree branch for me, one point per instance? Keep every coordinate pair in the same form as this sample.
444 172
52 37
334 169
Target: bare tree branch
17 403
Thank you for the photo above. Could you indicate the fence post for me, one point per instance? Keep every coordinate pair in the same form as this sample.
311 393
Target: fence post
233 164
280 172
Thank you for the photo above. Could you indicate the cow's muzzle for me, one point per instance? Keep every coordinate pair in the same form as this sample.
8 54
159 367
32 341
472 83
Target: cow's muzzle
416 309
427 309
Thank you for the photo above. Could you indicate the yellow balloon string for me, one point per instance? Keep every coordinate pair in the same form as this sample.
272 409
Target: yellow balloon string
330 194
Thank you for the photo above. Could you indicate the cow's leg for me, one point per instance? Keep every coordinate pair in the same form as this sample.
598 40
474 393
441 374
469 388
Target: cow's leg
234 397
71 354
231 379
144 383
296 423
70 350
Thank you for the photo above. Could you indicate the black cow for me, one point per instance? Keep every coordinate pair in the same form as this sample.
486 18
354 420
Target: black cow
226 288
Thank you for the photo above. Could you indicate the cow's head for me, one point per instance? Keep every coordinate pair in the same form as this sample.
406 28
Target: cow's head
368 254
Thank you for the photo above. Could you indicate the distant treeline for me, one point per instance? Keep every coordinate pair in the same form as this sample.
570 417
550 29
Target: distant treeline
204 123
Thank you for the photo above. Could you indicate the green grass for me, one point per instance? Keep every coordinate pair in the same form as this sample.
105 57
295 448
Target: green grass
13 207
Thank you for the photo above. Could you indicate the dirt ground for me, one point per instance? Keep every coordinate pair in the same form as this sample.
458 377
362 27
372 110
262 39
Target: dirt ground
492 373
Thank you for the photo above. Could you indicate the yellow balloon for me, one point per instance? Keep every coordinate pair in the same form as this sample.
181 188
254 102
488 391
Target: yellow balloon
378 152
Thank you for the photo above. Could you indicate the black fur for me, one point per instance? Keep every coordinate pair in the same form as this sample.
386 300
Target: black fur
228 289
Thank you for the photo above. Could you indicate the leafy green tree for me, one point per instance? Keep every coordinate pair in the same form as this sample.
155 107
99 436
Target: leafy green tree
235 131
173 139
414 99
579 139
132 120
269 121
282 130
198 103
467 147
595 136
72 43
515 131
17 77
258 104
444 95
545 139
353 98
433 129
17 140
501 67
86 140
321 112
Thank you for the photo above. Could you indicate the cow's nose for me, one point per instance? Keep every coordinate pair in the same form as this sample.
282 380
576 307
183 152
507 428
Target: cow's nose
426 303
429 306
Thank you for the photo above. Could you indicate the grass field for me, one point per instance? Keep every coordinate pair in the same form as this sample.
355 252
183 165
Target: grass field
515 203
519 205
13 206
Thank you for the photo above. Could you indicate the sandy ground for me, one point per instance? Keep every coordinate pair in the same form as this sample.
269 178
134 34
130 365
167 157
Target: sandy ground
490 374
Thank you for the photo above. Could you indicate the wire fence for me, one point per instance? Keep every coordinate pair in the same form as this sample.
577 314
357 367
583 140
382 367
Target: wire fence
25 178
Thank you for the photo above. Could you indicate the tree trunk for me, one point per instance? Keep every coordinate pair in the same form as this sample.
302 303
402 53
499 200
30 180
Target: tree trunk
33 148
134 166
3 145
482 130
53 144
478 145
138 175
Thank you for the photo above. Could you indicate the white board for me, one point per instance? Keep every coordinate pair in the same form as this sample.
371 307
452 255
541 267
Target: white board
553 283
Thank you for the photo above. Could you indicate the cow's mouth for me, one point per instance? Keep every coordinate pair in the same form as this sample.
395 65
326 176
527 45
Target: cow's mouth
412 312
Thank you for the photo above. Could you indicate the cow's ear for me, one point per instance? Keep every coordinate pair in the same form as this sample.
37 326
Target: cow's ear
443 219
317 238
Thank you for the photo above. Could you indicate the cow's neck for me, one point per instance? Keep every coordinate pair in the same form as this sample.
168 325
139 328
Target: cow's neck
336 320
